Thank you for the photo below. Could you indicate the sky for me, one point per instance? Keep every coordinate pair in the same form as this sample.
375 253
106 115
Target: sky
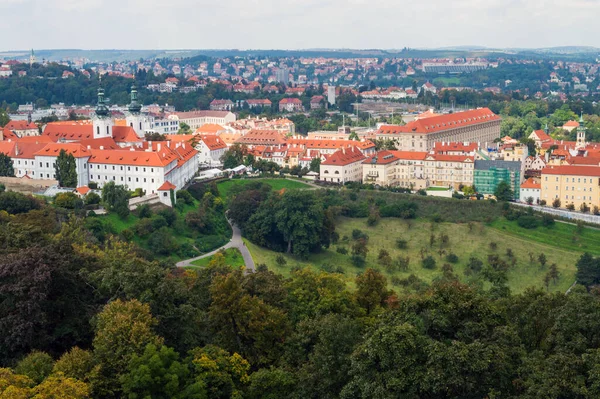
296 24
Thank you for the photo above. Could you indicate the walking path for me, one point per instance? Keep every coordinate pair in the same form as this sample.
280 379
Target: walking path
235 242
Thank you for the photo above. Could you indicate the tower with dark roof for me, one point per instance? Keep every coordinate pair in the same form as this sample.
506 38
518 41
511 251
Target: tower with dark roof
140 123
580 134
102 120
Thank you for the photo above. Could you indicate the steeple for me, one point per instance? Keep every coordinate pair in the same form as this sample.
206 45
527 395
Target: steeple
546 129
101 108
134 106
581 133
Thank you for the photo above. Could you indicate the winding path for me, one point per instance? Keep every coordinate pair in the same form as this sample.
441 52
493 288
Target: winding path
235 242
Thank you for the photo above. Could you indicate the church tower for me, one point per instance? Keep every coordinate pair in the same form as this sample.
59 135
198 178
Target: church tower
140 123
580 134
103 122
31 59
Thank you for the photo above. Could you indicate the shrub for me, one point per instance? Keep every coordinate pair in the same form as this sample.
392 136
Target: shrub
543 202
384 258
68 201
529 200
402 263
144 211
493 245
342 250
14 203
374 217
169 214
422 192
571 206
584 208
547 220
452 258
428 263
556 203
401 244
93 185
358 234
127 235
436 218
144 227
185 197
357 260
596 210
528 222
474 265
92 199
37 366
280 260
360 247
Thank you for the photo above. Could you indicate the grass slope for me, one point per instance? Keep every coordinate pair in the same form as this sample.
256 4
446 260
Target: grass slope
233 257
277 184
463 243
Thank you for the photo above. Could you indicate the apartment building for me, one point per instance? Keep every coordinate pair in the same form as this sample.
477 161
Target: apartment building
488 174
474 126
195 119
343 166
571 184
449 170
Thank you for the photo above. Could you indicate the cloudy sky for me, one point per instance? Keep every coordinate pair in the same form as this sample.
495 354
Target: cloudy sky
296 24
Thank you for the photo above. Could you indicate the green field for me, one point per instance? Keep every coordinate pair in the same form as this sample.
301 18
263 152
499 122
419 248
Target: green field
437 189
561 235
277 184
463 242
233 257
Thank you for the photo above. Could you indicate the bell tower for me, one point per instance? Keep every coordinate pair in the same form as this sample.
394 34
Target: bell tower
140 123
580 134
103 122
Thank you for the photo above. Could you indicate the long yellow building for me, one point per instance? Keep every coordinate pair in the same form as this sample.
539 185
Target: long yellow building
571 184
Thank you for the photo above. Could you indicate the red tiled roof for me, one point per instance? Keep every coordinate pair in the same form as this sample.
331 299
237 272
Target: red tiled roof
21 125
125 134
167 185
450 158
531 183
54 149
344 156
571 124
76 130
34 139
542 136
410 155
469 147
213 142
156 158
83 190
572 170
262 137
595 161
295 101
201 114
442 122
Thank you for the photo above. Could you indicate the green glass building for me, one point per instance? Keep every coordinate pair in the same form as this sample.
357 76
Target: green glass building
488 174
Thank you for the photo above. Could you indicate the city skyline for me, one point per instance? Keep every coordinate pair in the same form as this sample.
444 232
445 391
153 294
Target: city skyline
382 24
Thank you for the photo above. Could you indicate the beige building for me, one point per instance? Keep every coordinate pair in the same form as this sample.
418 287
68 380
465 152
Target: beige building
571 184
381 169
343 166
476 126
449 170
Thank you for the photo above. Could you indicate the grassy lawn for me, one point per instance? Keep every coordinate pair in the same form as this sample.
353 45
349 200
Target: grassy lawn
277 184
233 257
463 242
561 235
437 189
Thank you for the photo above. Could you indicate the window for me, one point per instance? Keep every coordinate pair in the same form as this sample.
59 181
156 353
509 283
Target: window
164 194
47 165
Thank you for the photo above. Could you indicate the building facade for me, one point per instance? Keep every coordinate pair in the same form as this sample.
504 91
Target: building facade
571 185
488 174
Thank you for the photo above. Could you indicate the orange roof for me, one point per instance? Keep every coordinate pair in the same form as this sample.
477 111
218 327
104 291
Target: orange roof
543 136
344 157
469 147
572 170
54 149
213 142
21 125
34 139
449 158
107 143
157 158
15 149
167 185
210 128
73 130
330 144
531 183
83 190
571 124
125 134
120 122
410 155
262 137
442 122
585 161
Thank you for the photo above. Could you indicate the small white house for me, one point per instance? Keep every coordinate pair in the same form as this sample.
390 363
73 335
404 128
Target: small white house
530 188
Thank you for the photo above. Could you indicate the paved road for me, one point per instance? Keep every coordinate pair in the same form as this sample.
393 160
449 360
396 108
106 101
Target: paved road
235 242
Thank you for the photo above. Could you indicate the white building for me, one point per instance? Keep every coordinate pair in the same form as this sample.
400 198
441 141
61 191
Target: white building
531 188
195 119
343 166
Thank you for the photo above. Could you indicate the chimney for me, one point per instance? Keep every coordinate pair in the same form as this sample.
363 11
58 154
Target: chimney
158 147
89 147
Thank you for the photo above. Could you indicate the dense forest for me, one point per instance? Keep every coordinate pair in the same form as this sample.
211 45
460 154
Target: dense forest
87 318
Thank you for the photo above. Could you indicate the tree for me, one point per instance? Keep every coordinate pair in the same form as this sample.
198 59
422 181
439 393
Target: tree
184 128
299 217
77 364
588 270
6 166
123 330
116 199
59 386
371 290
234 156
158 373
66 170
68 201
315 165
503 191
542 259
36 365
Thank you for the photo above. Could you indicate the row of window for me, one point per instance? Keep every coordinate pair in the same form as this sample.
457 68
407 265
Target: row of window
137 179
121 168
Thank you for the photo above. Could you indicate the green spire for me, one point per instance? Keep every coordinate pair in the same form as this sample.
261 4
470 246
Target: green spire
134 106
581 118
101 108
546 129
